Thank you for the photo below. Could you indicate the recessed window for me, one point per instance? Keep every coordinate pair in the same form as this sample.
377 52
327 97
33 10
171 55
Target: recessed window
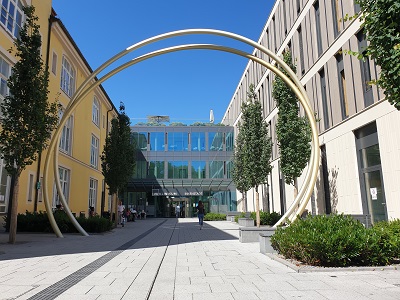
92 192
94 152
96 111
11 16
67 77
54 64
5 71
64 180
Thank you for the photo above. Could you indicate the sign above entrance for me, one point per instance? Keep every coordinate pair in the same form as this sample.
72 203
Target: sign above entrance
177 192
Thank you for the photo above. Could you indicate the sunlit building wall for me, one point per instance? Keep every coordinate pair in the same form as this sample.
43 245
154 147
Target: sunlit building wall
83 136
360 146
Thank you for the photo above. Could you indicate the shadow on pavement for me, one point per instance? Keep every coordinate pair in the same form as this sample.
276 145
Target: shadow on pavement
135 235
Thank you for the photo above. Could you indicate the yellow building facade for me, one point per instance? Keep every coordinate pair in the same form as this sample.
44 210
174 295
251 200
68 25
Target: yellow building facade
83 136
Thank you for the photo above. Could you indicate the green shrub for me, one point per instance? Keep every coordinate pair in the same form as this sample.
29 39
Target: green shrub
266 218
39 222
214 217
241 215
336 241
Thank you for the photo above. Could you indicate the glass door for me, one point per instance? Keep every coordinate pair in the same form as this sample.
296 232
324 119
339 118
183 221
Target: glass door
375 196
371 179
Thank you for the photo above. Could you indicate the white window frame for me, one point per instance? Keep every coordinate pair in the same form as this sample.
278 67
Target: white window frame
12 16
93 187
96 112
54 63
5 72
65 176
94 151
66 134
68 75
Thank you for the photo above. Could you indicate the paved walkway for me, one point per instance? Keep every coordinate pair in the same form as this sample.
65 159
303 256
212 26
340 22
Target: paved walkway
170 259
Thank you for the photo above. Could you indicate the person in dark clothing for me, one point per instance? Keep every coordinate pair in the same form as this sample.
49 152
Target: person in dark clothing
200 213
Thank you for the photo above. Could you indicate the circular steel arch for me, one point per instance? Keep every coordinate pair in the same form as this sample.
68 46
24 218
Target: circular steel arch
293 82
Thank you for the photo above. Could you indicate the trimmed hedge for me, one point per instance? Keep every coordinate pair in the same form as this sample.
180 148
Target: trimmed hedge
39 222
214 217
266 218
338 241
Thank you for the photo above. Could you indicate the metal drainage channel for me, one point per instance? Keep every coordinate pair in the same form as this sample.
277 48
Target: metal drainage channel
61 286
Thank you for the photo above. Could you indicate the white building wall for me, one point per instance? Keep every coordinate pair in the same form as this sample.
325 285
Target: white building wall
389 144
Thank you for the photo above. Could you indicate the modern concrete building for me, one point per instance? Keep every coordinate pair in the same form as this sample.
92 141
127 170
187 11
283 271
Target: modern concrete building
181 165
359 141
84 134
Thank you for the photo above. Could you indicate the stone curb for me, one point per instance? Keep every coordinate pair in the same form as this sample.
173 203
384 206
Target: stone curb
306 268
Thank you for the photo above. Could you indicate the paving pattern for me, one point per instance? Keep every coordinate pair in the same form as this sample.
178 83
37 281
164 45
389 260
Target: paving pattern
171 259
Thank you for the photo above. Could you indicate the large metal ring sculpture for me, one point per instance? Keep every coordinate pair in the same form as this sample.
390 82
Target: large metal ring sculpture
90 83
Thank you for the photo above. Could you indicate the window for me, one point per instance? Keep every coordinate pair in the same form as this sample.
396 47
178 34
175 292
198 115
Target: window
66 134
198 169
156 169
11 16
324 99
198 141
216 169
298 6
365 70
229 169
92 192
337 20
96 111
284 16
229 141
301 50
157 141
178 141
177 169
342 86
67 77
64 180
5 72
30 188
215 141
94 152
140 139
54 64
318 27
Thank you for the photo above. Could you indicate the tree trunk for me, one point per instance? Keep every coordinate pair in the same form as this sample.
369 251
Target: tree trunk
244 200
257 208
295 191
116 210
14 212
111 208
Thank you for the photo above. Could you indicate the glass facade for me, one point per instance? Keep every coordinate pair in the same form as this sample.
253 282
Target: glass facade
216 169
198 169
157 141
156 169
140 139
215 141
178 141
181 166
229 141
198 141
178 169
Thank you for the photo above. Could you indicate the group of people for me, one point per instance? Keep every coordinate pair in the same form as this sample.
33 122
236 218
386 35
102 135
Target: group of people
128 214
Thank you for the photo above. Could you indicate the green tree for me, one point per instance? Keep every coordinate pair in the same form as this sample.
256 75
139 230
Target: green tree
293 131
382 30
252 157
238 166
28 117
118 157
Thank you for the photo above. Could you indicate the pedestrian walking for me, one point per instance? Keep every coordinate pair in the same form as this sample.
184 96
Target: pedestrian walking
177 211
200 213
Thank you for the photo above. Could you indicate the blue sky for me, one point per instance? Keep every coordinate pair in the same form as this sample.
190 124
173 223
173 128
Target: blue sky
184 85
